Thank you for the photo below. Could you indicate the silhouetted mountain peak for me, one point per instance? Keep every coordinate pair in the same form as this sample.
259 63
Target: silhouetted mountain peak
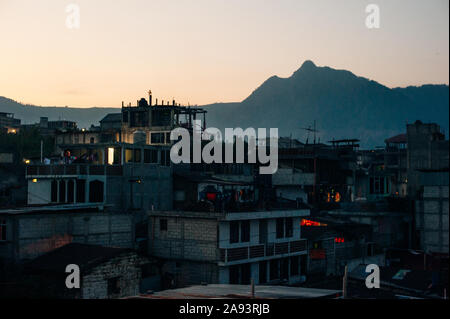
306 67
308 64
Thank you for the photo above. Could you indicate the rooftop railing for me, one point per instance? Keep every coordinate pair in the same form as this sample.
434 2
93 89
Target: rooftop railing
262 251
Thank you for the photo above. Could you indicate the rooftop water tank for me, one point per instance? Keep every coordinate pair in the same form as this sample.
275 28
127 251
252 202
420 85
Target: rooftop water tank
139 137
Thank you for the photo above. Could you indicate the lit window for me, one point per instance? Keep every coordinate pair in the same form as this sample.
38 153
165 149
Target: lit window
110 155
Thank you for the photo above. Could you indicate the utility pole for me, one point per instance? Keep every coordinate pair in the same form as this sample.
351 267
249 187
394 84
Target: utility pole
315 132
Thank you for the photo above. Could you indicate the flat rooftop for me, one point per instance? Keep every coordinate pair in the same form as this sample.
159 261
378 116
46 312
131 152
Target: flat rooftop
242 291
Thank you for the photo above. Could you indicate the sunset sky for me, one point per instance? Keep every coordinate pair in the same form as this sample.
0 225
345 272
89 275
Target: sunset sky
206 51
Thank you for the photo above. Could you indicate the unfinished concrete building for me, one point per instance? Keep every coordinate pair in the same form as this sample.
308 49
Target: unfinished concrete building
431 214
427 150
228 230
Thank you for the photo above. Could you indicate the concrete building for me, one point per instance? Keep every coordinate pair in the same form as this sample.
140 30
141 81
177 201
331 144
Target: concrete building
157 120
29 232
431 215
9 124
105 273
395 163
324 174
52 128
428 164
13 185
229 247
427 150
292 183
126 176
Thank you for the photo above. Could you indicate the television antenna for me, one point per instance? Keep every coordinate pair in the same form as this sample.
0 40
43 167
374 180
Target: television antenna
309 130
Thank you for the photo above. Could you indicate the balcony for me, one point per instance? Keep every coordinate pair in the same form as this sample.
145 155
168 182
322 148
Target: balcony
73 170
259 252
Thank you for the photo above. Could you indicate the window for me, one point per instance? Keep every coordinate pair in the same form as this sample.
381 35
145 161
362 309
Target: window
245 274
137 155
234 275
234 232
280 227
113 286
262 272
62 191
157 138
81 189
295 265
165 157
167 138
70 191
289 227
284 269
150 156
245 231
96 192
239 231
128 155
161 117
274 269
284 227
378 185
2 229
54 191
163 224
303 264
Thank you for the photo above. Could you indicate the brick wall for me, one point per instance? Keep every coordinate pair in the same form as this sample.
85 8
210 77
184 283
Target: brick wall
185 238
126 268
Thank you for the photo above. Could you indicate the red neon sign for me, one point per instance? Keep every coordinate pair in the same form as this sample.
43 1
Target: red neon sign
307 222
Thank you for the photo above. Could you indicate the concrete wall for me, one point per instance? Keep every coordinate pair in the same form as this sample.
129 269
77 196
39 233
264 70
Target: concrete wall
31 235
427 149
289 176
432 219
185 238
154 192
191 244
39 192
292 193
